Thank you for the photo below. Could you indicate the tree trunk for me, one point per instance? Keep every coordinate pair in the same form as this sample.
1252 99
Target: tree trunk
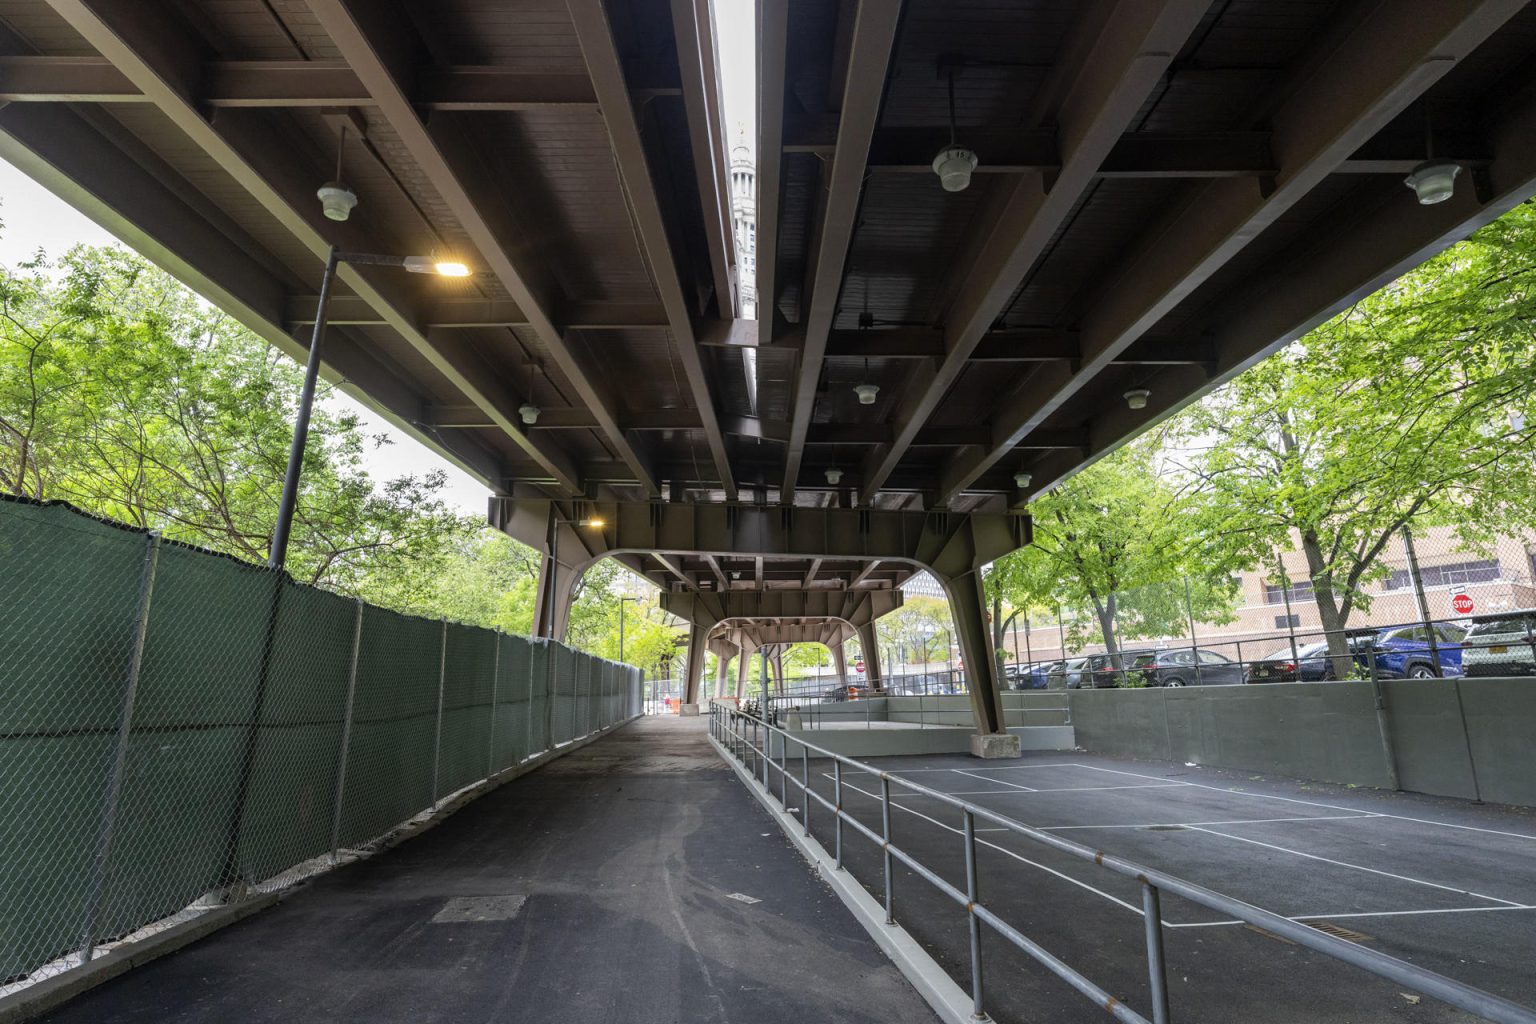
1105 610
1334 617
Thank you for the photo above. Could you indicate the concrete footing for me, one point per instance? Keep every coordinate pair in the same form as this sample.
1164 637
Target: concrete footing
687 709
995 745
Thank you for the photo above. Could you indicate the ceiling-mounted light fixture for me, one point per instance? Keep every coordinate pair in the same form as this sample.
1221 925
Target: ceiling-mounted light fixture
336 200
867 393
1433 181
955 164
529 413
1136 398
834 475
1021 480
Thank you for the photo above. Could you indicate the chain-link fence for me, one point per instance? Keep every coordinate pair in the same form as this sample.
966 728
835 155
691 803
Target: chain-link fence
1420 597
180 730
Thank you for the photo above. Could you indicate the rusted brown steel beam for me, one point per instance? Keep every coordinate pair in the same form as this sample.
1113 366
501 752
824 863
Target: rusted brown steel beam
772 29
600 51
1346 259
869 57
1384 62
693 28
1108 69
294 83
372 43
143 202
163 60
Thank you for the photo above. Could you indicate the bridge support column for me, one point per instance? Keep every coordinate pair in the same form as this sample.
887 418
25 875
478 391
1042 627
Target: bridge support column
968 605
840 659
870 649
557 589
743 660
697 645
722 662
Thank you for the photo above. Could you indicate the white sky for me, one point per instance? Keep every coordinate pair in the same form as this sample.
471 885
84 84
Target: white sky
35 218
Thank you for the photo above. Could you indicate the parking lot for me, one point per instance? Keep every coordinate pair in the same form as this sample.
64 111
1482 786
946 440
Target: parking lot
1441 883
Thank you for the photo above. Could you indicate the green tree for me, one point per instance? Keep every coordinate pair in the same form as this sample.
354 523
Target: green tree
1412 406
919 630
1113 540
125 394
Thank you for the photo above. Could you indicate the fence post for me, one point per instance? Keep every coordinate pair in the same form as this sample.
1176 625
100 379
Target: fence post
1194 645
437 741
528 750
885 846
490 743
837 804
971 897
109 799
346 735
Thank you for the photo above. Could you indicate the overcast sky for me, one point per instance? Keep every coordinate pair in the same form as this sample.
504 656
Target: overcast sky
35 219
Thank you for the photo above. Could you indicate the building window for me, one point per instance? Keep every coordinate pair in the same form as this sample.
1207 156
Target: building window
1455 575
1301 590
1283 621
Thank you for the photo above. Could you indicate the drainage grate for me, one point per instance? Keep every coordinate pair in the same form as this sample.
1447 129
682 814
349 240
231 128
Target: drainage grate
1165 828
1337 931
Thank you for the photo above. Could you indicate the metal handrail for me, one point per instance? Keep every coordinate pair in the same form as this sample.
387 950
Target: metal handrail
729 728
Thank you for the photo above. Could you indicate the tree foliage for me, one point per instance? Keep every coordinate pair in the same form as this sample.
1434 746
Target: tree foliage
1412 406
1112 547
123 393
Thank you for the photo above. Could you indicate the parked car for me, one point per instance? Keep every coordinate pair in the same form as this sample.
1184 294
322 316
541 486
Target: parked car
1187 667
1100 673
1500 645
851 691
1401 652
1069 675
1028 677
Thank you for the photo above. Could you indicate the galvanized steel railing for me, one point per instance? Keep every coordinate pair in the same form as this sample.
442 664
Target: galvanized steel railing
746 739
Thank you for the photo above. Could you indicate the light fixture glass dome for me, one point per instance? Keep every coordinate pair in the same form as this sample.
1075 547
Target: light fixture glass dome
1433 181
834 475
336 200
529 413
1136 398
954 166
1021 480
866 393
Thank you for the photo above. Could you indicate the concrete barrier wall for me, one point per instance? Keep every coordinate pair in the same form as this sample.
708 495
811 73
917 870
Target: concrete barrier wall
1329 732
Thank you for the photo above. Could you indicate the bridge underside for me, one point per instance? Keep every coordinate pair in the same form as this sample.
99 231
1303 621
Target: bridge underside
1167 191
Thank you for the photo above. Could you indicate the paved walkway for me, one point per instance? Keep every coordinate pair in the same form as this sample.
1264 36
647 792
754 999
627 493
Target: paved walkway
608 875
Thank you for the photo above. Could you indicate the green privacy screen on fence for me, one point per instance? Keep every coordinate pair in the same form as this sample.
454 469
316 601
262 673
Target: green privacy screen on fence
178 726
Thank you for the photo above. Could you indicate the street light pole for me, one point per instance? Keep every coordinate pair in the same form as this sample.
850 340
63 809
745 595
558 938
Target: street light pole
277 552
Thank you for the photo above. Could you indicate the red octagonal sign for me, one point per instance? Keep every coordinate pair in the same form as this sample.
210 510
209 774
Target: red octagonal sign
1462 603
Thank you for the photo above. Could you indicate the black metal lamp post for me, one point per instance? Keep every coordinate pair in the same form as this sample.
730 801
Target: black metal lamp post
277 555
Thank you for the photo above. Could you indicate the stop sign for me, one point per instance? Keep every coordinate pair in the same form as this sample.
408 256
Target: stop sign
858 666
1462 603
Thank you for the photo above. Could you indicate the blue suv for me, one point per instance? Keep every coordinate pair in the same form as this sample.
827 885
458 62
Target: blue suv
1403 652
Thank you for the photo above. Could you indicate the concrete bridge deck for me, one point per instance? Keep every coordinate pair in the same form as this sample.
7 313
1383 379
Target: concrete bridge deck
598 888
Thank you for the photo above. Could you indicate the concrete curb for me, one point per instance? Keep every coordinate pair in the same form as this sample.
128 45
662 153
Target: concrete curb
50 993
948 1000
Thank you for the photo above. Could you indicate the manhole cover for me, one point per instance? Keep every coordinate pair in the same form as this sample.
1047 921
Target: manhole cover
1166 828
460 909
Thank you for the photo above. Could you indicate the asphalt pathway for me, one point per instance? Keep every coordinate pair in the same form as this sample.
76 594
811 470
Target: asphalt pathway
632 881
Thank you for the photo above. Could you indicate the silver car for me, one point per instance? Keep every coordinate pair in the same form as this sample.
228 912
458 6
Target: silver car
1068 674
1500 645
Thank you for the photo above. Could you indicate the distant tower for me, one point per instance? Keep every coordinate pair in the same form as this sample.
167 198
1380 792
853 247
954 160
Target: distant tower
744 221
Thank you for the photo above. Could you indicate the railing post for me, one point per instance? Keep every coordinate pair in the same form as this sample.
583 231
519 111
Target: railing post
784 772
528 711
805 787
977 1013
340 796
437 741
96 889
885 845
837 812
1157 973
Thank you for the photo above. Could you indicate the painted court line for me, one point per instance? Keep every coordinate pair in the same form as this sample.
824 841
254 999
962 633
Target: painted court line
1310 803
983 778
1231 821
1506 904
1357 867
1020 790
